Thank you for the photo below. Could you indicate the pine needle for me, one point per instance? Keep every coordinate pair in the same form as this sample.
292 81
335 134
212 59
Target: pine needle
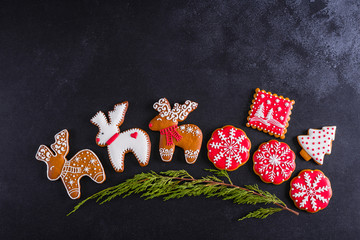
261 213
175 184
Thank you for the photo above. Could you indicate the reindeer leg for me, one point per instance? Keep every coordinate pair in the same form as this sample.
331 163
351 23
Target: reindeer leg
92 167
72 185
191 142
191 154
166 151
99 176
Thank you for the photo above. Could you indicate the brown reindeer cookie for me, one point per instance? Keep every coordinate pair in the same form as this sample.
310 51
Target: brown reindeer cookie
187 136
84 163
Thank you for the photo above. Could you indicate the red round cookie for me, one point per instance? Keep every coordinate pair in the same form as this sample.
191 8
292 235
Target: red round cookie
228 148
274 162
310 190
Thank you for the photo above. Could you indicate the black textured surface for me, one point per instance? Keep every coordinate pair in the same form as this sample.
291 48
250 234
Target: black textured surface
62 62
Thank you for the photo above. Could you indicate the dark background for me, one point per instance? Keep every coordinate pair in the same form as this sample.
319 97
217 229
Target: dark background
61 62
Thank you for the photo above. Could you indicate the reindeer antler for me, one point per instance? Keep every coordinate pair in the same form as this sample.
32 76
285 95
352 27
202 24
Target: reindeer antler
117 115
163 107
178 113
61 144
60 147
99 119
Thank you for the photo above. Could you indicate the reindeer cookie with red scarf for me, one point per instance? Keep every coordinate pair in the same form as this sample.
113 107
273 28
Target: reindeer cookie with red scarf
84 163
187 136
118 143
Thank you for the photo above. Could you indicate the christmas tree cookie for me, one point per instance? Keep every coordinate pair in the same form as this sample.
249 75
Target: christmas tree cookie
270 113
310 190
317 143
229 148
274 162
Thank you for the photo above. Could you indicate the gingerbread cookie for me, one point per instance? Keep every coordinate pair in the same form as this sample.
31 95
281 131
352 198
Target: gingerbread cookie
310 190
134 140
187 136
84 163
270 113
317 143
274 162
229 148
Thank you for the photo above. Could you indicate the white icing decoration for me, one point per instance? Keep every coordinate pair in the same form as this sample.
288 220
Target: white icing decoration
230 147
190 128
311 191
178 113
318 142
272 157
190 154
164 152
124 142
140 145
259 117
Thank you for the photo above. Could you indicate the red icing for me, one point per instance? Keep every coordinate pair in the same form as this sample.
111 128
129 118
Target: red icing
228 148
112 139
270 113
274 162
311 190
171 133
134 135
321 145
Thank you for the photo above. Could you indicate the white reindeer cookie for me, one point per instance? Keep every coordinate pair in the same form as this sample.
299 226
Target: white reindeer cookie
118 143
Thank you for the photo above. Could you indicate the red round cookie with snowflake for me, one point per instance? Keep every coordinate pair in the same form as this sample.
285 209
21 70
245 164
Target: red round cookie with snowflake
274 162
228 148
310 190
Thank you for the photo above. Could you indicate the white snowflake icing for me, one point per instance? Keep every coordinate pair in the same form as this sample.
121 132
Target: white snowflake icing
92 161
311 191
268 102
166 153
274 161
189 129
230 147
191 154
286 104
86 169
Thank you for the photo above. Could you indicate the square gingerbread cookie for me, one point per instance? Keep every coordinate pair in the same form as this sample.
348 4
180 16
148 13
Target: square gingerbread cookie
270 113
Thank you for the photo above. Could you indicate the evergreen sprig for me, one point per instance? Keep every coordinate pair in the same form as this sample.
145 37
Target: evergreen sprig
174 184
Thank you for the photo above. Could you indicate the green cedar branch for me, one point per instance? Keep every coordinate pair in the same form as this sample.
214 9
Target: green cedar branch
174 184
